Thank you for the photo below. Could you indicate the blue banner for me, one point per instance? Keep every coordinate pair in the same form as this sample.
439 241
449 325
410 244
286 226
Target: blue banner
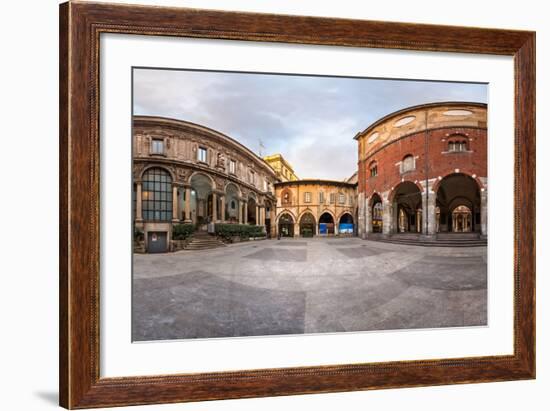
345 228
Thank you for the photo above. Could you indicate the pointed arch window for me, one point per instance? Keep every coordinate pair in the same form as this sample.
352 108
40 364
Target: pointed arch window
373 167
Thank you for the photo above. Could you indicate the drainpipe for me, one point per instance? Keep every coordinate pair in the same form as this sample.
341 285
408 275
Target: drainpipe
426 166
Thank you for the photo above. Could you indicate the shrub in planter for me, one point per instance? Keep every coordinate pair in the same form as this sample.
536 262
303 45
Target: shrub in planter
228 231
182 231
138 235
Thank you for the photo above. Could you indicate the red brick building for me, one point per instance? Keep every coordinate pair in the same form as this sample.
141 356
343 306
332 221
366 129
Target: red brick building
423 170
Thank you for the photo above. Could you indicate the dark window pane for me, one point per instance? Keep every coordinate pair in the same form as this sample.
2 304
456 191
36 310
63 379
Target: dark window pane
157 195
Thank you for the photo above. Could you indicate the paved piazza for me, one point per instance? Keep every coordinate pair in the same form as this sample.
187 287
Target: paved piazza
296 286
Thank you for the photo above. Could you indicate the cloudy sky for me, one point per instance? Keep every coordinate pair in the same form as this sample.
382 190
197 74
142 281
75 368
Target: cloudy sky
310 120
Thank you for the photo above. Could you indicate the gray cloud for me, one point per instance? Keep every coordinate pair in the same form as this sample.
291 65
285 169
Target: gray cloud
310 120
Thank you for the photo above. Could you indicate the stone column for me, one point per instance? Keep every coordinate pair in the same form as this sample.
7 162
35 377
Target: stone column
262 217
274 228
175 218
222 206
483 212
428 213
258 222
241 207
368 217
214 207
296 230
188 204
245 212
361 227
387 217
139 215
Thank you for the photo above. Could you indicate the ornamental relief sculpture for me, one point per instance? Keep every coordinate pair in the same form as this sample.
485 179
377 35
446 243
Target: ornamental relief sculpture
182 175
137 169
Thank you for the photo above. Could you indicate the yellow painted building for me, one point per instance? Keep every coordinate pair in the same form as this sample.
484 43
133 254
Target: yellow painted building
282 168
307 208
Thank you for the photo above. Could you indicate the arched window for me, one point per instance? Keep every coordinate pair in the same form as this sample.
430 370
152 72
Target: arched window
373 169
156 196
458 143
407 164
286 198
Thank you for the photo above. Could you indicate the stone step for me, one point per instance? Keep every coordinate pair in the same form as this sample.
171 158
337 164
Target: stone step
203 241
457 236
435 243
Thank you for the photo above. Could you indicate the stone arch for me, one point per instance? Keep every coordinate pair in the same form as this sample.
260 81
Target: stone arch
343 213
375 213
406 207
308 223
286 211
252 208
162 167
202 198
200 173
307 210
457 189
232 202
391 196
346 223
285 224
327 223
326 210
437 184
375 195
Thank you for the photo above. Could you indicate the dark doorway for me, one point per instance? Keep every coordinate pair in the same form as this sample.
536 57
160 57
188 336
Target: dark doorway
407 200
156 242
326 224
376 212
286 226
345 225
459 204
307 225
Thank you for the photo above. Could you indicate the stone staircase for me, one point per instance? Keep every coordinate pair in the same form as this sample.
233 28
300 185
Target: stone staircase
203 241
441 240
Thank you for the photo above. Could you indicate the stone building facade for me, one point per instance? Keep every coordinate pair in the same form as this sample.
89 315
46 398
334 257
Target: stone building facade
423 170
315 207
187 173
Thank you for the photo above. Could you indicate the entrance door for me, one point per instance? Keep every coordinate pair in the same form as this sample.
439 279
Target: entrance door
156 242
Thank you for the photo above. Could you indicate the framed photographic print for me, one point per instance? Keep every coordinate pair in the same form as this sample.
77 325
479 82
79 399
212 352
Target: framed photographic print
257 205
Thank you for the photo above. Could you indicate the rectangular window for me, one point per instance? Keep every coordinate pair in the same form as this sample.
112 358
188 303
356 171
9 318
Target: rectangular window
251 177
232 166
201 154
341 198
307 197
332 198
157 146
321 198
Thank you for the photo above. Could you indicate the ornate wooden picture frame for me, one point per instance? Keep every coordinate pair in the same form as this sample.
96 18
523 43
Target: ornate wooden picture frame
81 25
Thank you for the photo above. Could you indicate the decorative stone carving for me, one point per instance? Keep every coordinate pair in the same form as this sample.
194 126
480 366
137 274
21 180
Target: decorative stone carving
182 175
137 170
220 162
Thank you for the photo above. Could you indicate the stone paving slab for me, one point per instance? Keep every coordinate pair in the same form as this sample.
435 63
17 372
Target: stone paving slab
275 287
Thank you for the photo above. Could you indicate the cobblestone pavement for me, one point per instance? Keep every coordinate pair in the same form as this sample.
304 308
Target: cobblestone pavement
301 286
